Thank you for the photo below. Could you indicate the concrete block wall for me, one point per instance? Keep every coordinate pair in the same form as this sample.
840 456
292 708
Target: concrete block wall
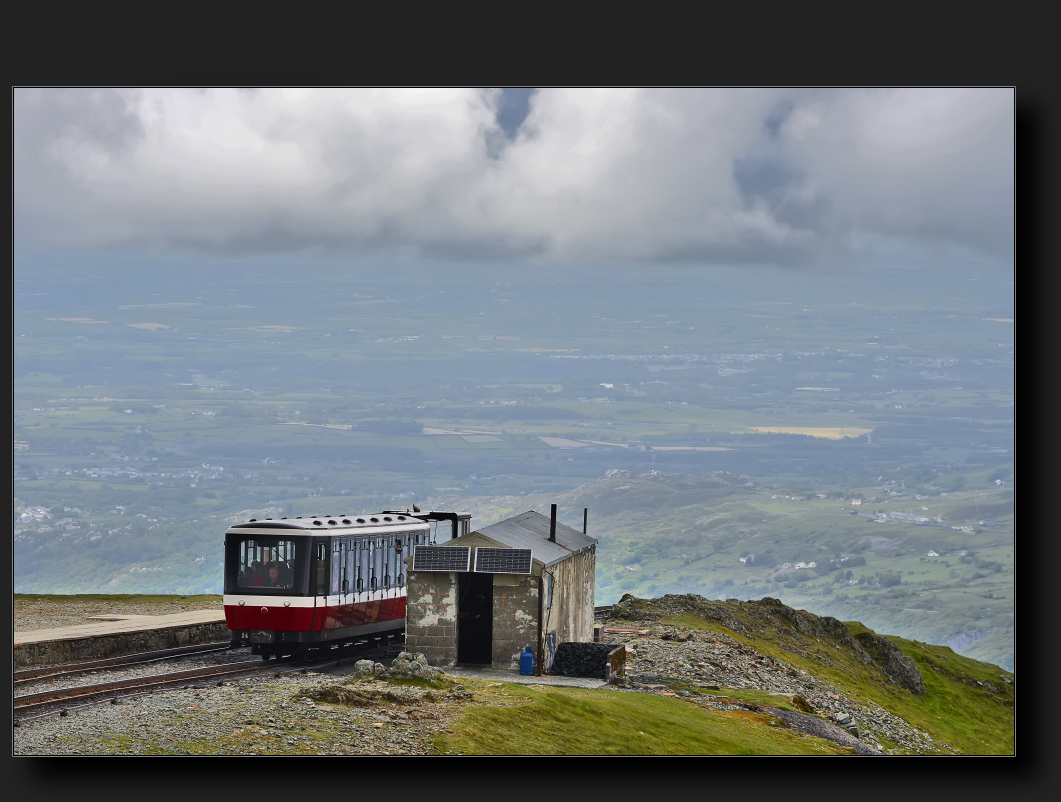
515 619
431 616
97 647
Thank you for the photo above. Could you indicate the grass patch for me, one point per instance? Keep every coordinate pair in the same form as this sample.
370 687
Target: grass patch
542 720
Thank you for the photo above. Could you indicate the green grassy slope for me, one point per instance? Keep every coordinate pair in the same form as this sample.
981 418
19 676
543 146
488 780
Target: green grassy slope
572 721
967 704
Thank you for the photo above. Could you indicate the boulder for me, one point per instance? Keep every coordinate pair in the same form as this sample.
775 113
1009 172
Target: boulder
413 666
681 637
363 668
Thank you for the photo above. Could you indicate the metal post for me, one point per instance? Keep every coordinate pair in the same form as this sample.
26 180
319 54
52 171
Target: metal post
585 519
552 524
541 593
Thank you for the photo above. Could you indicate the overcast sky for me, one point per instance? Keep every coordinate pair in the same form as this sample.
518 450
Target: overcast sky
804 177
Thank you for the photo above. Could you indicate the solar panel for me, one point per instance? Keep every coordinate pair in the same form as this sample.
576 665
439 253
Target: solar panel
502 561
442 558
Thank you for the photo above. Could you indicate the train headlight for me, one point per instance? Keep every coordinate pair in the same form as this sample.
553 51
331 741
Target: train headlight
241 602
265 610
287 604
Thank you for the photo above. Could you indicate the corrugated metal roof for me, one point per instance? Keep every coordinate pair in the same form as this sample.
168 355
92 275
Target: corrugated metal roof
530 530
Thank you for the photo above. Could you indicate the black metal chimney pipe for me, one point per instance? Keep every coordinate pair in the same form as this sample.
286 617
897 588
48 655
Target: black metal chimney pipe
552 524
585 519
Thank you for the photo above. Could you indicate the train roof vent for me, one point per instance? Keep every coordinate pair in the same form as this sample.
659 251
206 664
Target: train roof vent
401 517
332 523
346 520
375 520
268 519
284 518
253 520
298 517
387 518
360 520
316 523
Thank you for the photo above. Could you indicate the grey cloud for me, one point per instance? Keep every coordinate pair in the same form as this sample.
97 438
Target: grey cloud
772 124
736 176
513 108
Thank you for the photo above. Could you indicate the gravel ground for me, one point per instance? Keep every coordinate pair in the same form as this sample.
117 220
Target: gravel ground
255 715
31 614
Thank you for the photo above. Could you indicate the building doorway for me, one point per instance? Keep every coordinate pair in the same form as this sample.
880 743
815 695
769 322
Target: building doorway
475 618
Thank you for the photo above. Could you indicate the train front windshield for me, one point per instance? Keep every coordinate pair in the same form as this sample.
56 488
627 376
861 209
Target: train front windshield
266 564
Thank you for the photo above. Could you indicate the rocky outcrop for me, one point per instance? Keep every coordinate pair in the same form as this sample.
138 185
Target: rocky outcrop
356 693
405 666
893 662
631 608
812 725
771 614
801 624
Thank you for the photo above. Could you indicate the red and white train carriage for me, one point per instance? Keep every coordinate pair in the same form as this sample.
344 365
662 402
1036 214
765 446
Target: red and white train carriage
306 585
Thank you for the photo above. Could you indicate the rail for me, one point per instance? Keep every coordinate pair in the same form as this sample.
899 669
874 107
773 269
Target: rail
112 692
140 658
33 700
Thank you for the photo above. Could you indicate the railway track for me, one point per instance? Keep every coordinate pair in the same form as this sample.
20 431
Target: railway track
54 672
80 692
113 692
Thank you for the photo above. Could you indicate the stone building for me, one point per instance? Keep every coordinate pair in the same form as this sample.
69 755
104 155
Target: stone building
524 581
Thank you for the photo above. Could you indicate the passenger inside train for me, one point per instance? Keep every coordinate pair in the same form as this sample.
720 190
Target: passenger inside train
266 566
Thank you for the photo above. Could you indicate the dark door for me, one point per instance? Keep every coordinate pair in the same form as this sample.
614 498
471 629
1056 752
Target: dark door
475 617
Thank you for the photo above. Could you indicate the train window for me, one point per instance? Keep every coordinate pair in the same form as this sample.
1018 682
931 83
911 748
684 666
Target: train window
266 562
350 569
321 579
388 563
344 585
359 561
336 565
371 559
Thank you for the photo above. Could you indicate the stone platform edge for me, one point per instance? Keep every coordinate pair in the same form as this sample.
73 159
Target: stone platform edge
96 647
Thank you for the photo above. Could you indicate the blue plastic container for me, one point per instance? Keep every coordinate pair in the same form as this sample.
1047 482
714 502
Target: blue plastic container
526 663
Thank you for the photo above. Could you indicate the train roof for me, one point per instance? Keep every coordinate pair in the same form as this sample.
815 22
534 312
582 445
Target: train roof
318 523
